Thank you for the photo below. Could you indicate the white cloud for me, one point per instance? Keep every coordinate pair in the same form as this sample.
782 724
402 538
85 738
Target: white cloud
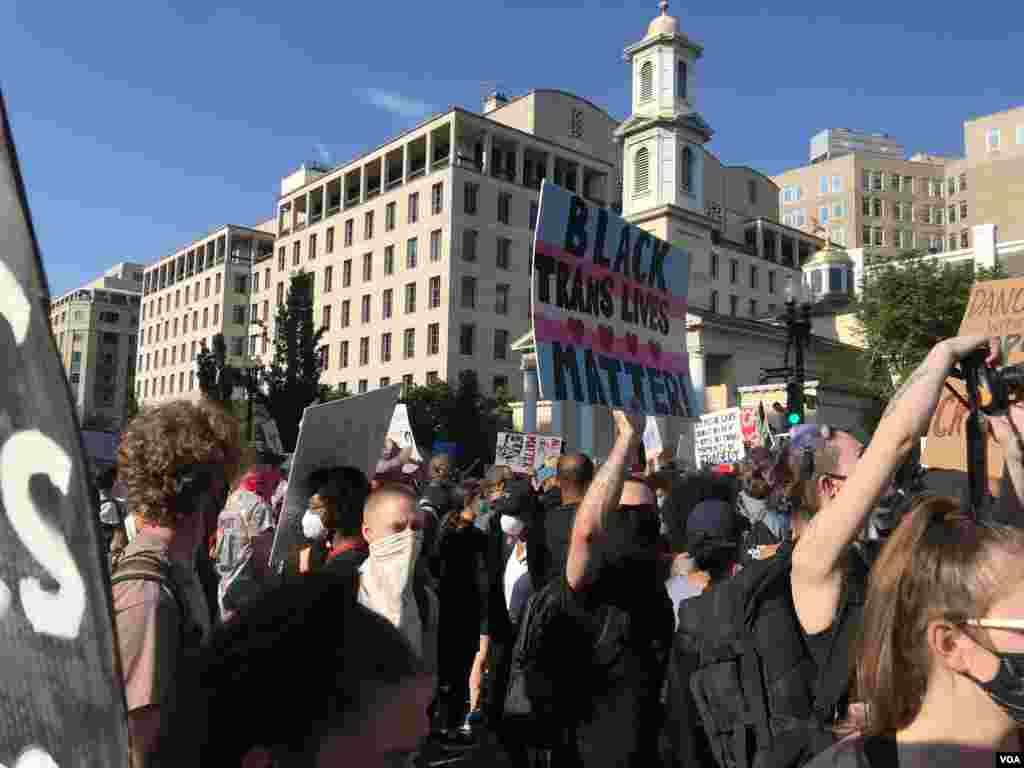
396 103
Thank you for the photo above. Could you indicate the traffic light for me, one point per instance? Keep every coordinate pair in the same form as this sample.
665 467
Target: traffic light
794 404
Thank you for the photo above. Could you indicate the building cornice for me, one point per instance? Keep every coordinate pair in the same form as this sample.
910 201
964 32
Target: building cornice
691 121
676 40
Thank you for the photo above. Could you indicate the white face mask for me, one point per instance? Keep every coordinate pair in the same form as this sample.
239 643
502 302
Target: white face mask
386 586
313 527
512 526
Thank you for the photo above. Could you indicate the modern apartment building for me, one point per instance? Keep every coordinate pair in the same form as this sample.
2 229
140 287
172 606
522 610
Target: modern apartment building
190 296
836 142
421 247
95 328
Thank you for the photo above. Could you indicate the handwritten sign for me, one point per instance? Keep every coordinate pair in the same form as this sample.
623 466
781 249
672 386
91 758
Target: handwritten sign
718 438
400 430
524 452
995 309
61 698
609 310
340 433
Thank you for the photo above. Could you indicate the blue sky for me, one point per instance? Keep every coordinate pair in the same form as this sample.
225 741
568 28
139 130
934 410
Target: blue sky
141 125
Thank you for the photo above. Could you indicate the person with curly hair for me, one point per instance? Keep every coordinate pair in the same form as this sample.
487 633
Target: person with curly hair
175 461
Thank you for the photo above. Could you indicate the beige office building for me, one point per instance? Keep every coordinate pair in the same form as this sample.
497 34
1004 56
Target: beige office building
187 298
95 328
421 247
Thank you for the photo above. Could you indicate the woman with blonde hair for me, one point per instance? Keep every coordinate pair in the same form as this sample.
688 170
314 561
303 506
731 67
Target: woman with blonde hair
941 664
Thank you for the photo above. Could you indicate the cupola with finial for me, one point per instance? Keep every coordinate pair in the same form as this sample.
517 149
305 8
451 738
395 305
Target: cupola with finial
829 274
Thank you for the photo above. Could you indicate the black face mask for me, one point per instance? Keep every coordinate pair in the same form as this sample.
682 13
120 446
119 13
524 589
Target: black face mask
1007 688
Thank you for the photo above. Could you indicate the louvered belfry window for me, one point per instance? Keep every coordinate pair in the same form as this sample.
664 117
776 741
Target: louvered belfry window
646 81
642 171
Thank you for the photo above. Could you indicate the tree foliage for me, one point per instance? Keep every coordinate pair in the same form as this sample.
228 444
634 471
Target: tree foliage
907 304
291 382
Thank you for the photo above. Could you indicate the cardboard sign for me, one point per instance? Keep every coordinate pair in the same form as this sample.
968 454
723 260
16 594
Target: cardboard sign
525 452
653 445
400 430
718 438
61 698
272 437
995 309
340 433
609 310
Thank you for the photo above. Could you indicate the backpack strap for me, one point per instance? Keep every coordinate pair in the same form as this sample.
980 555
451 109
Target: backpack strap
145 566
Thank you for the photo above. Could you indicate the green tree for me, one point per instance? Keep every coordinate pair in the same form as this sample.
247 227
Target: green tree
292 381
329 394
216 378
907 304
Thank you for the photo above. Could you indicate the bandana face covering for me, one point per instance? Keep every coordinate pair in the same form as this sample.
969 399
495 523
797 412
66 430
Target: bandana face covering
313 527
386 586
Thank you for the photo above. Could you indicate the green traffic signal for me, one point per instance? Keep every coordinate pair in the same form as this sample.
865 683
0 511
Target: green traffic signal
793 418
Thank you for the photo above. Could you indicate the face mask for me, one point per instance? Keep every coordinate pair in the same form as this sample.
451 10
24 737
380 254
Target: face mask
1007 688
313 527
386 585
512 526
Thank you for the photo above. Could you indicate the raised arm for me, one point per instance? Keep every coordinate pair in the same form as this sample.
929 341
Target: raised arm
819 552
1008 431
601 501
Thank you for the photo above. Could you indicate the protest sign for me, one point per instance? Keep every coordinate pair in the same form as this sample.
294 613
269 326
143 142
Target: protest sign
340 433
995 309
749 424
718 438
525 452
62 699
400 430
653 445
609 310
272 437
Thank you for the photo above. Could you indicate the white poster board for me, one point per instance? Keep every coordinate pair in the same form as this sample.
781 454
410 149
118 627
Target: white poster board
718 438
525 451
400 430
340 433
272 437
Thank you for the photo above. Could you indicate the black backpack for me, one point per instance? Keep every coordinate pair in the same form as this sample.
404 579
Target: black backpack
762 699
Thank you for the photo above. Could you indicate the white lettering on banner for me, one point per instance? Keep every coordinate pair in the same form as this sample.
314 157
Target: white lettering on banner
25 454
34 757
718 438
14 304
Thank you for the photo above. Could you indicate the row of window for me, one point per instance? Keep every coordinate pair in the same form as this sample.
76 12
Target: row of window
158 306
880 181
467 346
185 265
734 303
498 383
412 214
877 208
186 352
908 239
646 84
642 174
994 138
169 328
734 269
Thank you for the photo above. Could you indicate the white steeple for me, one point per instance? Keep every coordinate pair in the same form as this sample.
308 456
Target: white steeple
663 156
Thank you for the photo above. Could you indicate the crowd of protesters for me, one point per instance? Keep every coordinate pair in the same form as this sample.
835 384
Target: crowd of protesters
811 605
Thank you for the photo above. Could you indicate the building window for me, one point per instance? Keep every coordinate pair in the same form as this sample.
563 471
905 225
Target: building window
951 186
952 242
409 343
681 80
894 182
994 138
877 181
646 81
410 298
255 285
753 278
641 171
385 347
328 279
329 243
385 381
433 338
389 260
346 313
837 184
385 304
963 210
714 266
367 267
839 236
326 311
312 247
771 281
965 238
501 299
468 292
470 193
407 384
216 313
435 245
346 273
410 252
502 259
504 206
364 314
501 345
823 185
206 321
469 238
364 350
838 210
733 270
865 236
879 236
877 209
733 303
823 214
533 214
753 307
437 198
951 214
237 316
467 337
363 386
343 355
349 229
435 292
714 301
368 225
296 253
389 217
280 259
414 208
963 181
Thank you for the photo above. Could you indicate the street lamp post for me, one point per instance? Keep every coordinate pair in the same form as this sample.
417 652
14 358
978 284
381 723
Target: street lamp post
798 337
